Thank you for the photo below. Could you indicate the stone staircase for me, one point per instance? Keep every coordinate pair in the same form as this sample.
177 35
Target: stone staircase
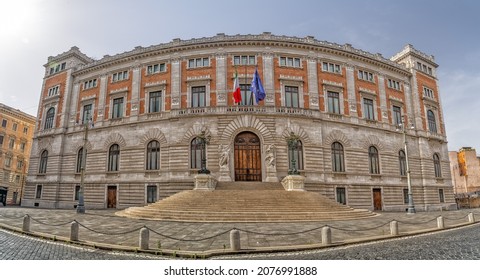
246 202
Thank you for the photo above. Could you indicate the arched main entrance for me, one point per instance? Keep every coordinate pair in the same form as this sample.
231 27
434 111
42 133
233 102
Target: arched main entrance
248 159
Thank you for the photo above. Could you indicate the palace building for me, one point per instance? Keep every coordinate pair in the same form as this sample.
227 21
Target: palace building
152 117
16 133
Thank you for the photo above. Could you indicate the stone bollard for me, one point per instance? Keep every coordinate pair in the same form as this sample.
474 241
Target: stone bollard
235 240
440 223
326 236
74 231
144 238
471 218
393 228
26 223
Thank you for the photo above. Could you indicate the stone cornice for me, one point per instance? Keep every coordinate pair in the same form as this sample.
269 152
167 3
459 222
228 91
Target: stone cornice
7 110
265 39
410 50
73 52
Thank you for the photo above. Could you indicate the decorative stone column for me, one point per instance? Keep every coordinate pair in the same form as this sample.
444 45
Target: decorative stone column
205 182
294 183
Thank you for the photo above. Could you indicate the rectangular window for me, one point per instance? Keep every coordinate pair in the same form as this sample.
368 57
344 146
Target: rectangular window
77 192
87 113
156 68
441 195
244 60
247 95
19 164
14 127
17 179
333 102
405 196
397 115
290 62
198 62
151 194
8 161
364 75
25 130
394 84
90 84
4 123
291 97
368 109
38 192
331 67
1 140
428 93
53 91
58 68
117 111
155 102
120 76
341 196
198 96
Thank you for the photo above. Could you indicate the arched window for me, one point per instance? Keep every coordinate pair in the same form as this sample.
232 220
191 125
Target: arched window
402 160
113 157
153 155
49 118
79 160
196 149
432 124
338 162
43 162
436 166
296 152
373 161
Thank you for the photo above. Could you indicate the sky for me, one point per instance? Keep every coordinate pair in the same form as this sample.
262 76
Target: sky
33 30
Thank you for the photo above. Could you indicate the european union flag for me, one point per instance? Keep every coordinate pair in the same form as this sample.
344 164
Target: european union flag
257 88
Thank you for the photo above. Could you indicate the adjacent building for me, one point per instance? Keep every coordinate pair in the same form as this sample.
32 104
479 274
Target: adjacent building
16 135
465 169
150 110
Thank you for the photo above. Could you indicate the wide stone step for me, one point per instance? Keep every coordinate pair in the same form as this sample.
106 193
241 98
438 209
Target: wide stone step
246 202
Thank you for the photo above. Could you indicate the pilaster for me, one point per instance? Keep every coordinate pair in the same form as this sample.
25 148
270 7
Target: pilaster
312 83
176 83
135 101
268 77
221 76
352 100
382 95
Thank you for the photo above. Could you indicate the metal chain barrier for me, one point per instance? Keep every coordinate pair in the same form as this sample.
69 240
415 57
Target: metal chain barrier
189 240
410 223
456 219
53 225
279 234
109 233
363 229
11 218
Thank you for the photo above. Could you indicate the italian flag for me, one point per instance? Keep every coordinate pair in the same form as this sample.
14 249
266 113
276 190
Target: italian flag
237 95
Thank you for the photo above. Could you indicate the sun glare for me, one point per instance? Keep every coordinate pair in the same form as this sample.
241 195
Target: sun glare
16 18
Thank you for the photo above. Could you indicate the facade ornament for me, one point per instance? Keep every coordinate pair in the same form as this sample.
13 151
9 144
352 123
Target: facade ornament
270 157
224 151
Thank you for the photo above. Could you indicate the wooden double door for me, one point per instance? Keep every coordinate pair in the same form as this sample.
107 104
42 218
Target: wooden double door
247 157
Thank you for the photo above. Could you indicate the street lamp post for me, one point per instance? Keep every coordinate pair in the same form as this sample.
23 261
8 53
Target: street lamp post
411 206
292 142
204 141
81 199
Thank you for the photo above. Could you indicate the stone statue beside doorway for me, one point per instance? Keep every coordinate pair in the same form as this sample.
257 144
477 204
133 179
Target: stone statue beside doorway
224 151
270 156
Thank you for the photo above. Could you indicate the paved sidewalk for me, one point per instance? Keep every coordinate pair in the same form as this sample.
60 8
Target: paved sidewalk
104 229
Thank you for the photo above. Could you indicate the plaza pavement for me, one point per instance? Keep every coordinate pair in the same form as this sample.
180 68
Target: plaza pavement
103 229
